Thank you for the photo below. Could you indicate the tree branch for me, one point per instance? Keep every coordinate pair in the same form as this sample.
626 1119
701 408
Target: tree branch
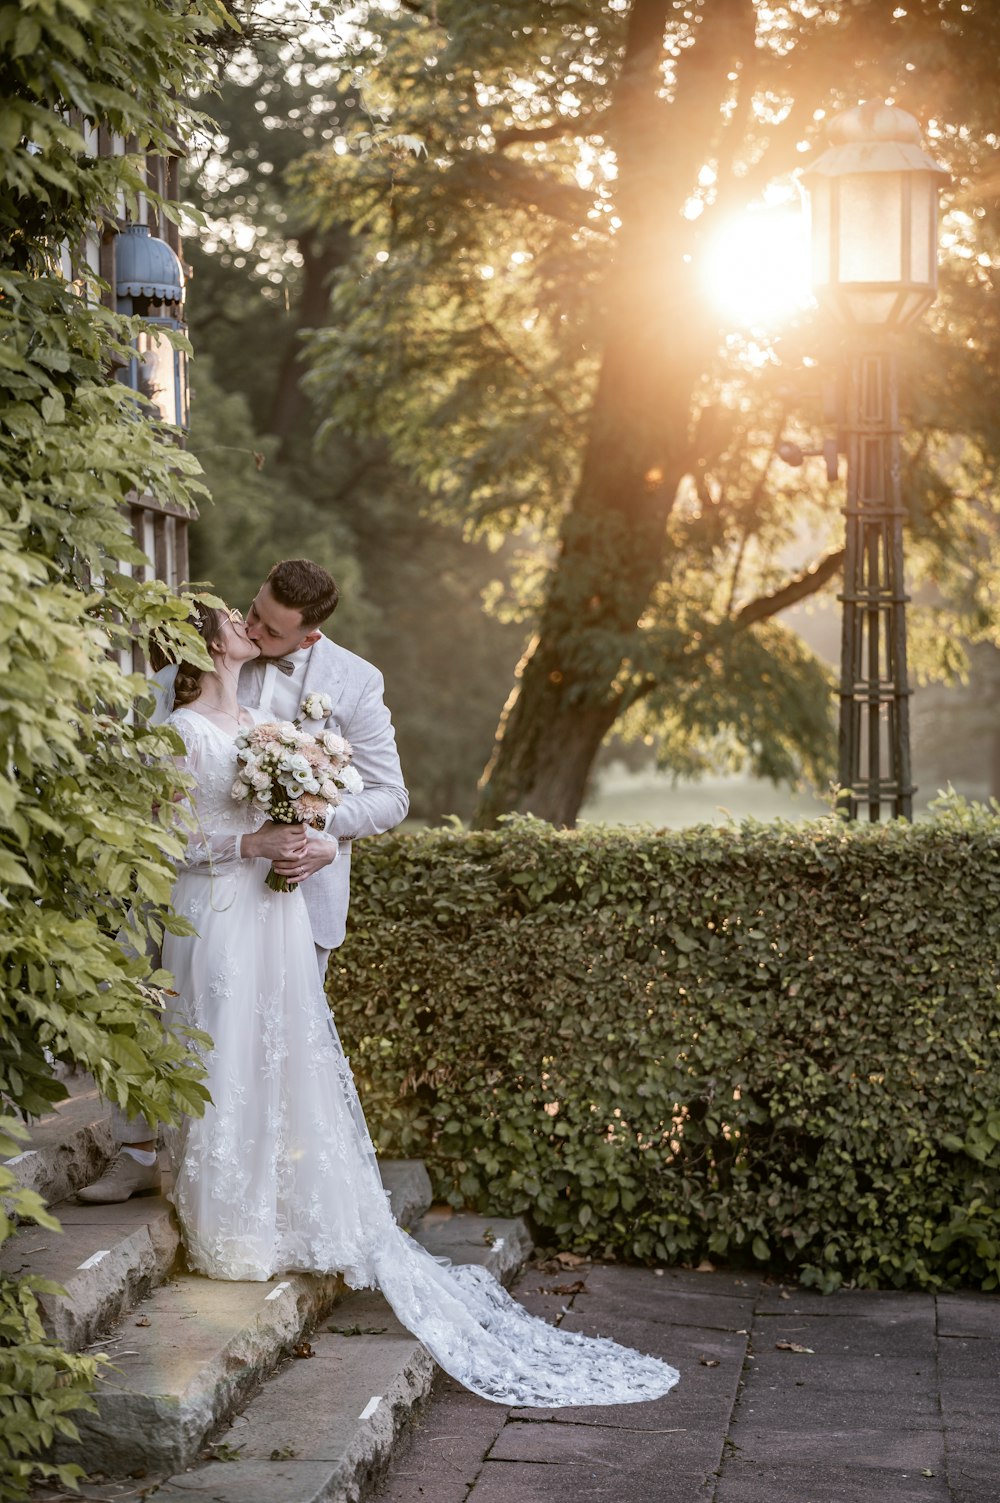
502 181
578 126
800 588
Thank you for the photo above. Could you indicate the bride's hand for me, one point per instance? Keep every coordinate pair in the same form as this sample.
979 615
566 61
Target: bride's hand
320 851
275 842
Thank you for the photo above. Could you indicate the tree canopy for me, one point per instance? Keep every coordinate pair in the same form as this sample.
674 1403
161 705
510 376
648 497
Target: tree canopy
525 320
411 587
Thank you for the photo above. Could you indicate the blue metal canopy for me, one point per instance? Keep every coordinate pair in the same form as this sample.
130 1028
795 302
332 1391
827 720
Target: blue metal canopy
147 267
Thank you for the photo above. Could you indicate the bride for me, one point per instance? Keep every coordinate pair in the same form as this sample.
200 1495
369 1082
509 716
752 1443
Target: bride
280 1175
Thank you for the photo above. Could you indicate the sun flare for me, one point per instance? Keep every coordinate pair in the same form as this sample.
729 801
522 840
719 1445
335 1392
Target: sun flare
755 267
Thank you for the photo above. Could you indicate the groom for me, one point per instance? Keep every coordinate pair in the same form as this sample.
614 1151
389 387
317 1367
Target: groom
296 659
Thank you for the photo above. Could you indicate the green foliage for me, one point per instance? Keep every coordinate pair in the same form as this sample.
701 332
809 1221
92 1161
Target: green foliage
85 793
527 324
411 587
40 1385
773 1044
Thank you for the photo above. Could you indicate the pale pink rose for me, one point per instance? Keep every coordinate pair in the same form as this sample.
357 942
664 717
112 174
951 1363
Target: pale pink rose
312 808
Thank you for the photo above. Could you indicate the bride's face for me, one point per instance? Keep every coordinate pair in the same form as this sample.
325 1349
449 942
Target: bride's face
237 646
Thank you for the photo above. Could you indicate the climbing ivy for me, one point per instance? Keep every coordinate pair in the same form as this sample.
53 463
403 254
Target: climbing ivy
83 791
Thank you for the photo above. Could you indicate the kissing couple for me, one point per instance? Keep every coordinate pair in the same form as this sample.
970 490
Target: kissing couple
280 1174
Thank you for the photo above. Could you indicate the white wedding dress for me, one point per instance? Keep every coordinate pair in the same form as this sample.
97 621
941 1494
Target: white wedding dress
280 1175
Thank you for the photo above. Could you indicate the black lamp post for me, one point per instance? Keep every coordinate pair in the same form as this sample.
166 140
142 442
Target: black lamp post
873 227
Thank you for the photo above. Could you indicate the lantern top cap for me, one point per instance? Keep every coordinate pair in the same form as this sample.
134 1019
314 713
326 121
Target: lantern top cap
874 121
873 137
146 266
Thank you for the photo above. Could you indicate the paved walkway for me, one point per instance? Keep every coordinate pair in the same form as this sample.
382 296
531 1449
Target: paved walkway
785 1397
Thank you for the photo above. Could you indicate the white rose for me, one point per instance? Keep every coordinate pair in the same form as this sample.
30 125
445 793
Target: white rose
260 780
334 744
316 706
240 790
352 780
329 790
263 799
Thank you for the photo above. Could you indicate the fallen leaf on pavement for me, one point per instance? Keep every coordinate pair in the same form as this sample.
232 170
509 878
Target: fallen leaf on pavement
705 1267
793 1346
578 1288
709 1361
303 1349
570 1259
144 1320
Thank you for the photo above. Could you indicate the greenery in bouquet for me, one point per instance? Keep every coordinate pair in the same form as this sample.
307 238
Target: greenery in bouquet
293 776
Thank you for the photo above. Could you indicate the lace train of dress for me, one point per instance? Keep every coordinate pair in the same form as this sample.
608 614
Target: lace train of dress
280 1174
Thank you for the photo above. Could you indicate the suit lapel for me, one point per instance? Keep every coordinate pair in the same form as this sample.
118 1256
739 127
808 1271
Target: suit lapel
326 673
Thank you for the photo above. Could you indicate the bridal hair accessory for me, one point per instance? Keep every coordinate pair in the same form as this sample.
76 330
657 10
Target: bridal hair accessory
293 777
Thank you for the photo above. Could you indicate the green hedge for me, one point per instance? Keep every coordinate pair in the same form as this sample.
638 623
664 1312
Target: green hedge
774 1044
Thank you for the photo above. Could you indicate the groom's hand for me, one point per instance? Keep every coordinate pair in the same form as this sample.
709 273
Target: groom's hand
275 843
319 852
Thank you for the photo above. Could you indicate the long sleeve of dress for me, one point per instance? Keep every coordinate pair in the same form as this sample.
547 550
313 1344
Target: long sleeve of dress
216 845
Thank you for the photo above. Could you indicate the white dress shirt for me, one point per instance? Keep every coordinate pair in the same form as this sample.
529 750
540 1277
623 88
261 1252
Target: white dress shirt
282 694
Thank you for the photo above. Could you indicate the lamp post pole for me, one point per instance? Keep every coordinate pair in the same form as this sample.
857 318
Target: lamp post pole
873 210
874 760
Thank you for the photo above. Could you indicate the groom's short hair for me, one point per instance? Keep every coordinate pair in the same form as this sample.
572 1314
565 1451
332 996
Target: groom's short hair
303 586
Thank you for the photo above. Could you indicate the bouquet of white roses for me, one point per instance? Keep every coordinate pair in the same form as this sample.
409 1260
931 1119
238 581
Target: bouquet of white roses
292 776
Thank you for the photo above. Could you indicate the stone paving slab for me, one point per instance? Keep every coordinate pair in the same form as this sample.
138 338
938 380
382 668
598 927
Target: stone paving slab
888 1408
639 1295
597 1482
749 1482
969 1315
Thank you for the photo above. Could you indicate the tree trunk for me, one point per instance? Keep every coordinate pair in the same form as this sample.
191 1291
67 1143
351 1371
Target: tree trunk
612 545
321 255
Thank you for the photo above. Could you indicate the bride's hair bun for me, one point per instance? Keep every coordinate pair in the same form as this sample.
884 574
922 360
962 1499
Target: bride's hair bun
207 621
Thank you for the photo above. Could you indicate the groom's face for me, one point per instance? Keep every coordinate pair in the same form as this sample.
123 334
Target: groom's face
277 629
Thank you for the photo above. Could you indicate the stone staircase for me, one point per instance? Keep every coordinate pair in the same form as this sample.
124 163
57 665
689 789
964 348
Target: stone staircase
293 1391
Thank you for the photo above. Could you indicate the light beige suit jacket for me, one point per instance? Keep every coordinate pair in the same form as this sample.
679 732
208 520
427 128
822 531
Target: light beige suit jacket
358 712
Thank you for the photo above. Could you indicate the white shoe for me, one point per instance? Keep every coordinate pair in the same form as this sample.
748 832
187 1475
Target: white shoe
124 1177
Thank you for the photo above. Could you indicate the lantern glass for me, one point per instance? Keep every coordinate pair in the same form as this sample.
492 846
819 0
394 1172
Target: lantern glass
872 199
869 238
819 205
923 229
159 372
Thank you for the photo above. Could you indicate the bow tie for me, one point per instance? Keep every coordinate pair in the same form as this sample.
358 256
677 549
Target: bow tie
283 665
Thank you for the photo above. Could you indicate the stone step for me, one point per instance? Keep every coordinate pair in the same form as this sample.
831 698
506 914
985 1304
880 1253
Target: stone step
107 1258
69 1146
322 1430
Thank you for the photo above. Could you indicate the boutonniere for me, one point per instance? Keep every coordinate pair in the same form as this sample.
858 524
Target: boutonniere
316 706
